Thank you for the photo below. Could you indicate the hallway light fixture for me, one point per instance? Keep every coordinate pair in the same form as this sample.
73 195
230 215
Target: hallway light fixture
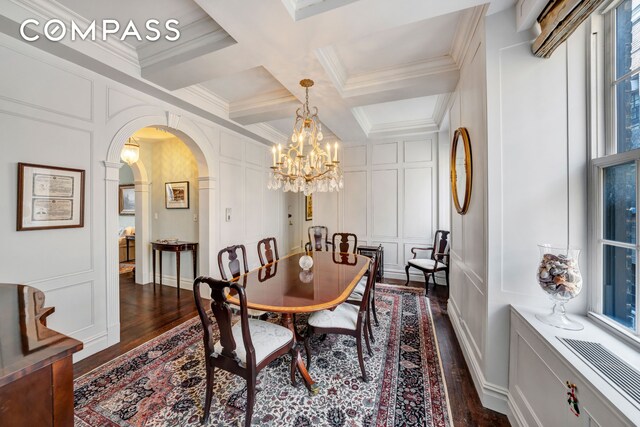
130 152
313 171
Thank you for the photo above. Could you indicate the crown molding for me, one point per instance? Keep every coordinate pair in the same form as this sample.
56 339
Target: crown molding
203 34
404 128
440 109
301 9
362 119
379 80
50 9
263 101
464 33
269 132
214 103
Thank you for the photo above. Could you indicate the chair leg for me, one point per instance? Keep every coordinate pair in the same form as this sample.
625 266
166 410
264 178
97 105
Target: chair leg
360 358
209 392
446 272
426 282
307 349
294 358
373 302
369 328
406 269
366 340
251 398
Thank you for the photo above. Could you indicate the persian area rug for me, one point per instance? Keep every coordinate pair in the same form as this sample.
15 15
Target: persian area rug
161 383
127 267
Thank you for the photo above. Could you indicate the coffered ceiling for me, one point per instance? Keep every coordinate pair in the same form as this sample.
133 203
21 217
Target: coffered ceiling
382 68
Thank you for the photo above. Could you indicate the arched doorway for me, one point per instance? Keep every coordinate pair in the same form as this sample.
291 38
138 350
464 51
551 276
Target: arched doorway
201 148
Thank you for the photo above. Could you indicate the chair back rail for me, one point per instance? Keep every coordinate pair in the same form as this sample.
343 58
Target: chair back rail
233 262
268 251
348 242
222 313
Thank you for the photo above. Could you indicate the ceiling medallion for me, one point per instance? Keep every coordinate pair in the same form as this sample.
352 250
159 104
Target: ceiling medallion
313 170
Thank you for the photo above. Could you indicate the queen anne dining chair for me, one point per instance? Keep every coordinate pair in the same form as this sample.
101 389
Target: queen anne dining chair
349 318
236 269
318 238
268 251
245 348
358 293
438 261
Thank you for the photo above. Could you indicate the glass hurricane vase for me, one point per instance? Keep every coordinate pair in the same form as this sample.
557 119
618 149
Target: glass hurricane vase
559 276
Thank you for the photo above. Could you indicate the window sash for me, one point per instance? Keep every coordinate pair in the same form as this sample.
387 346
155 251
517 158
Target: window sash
598 243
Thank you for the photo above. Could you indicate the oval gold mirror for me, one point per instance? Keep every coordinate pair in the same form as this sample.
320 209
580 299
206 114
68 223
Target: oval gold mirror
461 170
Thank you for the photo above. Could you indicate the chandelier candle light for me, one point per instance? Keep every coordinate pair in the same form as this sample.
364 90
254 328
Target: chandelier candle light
312 171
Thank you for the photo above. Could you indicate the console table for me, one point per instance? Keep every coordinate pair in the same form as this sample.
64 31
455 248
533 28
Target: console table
36 367
129 238
176 247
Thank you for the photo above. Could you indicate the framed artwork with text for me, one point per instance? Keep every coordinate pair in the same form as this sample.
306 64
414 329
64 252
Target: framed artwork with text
49 197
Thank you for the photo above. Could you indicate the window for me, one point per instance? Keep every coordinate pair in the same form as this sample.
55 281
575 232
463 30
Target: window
615 180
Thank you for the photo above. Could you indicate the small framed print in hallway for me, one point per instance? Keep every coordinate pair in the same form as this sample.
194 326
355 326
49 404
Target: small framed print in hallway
176 195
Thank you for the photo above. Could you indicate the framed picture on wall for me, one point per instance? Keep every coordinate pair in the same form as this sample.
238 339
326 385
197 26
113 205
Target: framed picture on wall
176 195
127 199
308 207
49 197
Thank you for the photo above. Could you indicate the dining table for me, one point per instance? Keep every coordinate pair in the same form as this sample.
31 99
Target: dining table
284 287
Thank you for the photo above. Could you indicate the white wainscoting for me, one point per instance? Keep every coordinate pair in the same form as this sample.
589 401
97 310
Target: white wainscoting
390 197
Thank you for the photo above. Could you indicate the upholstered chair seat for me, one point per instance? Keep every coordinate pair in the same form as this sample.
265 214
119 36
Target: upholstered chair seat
423 263
345 316
267 338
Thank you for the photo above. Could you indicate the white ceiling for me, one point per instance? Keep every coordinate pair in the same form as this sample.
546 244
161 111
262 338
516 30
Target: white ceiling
382 69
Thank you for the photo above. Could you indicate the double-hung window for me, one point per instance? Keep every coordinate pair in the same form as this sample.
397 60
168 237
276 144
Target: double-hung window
615 179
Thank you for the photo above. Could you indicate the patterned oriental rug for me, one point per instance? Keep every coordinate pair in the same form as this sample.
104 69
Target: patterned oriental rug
161 383
127 267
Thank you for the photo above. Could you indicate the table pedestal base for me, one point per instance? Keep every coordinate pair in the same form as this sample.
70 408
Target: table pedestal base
287 322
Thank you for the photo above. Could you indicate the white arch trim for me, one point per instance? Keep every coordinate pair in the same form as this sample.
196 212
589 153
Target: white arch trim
202 149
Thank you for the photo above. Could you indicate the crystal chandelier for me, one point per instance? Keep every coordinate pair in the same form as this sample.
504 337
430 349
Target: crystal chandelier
311 170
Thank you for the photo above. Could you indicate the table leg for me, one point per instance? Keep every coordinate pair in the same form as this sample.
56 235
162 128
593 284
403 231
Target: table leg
178 271
153 261
287 322
195 262
160 256
127 241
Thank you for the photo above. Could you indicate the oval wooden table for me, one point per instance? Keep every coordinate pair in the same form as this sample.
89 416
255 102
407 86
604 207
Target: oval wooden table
283 287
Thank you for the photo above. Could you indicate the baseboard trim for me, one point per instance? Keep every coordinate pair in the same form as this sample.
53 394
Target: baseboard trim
94 344
515 416
491 395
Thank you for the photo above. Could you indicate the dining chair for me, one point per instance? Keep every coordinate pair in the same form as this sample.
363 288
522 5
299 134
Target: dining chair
438 260
236 269
348 242
346 319
318 236
245 348
358 293
267 248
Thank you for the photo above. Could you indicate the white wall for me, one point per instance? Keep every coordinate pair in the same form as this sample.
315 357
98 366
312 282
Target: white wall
78 122
527 122
390 197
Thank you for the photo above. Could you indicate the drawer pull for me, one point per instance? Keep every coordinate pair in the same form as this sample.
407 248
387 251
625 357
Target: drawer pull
573 399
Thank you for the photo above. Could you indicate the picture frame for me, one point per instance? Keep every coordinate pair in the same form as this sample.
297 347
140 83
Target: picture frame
127 199
49 197
176 195
308 207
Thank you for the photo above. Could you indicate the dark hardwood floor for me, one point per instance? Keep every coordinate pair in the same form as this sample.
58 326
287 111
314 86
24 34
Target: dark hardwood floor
145 314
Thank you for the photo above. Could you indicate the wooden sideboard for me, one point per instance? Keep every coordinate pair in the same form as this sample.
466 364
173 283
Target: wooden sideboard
36 368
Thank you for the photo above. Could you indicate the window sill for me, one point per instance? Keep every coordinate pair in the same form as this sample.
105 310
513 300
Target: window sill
594 332
620 332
